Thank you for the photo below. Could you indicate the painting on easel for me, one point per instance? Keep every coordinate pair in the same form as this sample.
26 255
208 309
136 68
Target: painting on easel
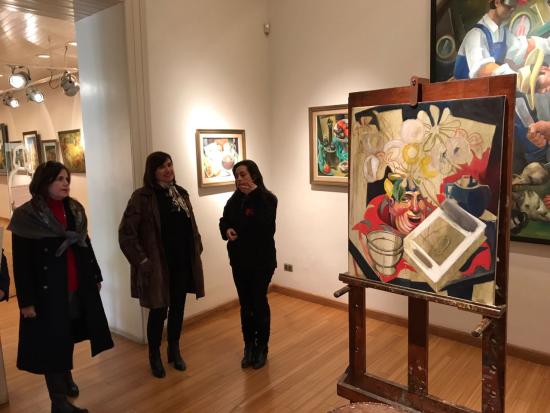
424 195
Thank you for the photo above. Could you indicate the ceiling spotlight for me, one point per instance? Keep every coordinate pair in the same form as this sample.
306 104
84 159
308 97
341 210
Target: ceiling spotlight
69 84
43 56
71 44
10 101
19 78
35 95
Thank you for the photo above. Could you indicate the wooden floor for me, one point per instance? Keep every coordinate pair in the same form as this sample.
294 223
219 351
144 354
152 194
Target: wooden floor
308 353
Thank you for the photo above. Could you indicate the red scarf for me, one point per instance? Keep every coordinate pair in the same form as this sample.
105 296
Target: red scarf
59 214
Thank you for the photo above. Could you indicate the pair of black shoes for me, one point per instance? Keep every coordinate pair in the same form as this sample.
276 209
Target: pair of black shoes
255 356
174 356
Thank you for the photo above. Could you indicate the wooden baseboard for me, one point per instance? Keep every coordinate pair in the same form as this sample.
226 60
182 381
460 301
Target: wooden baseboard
448 333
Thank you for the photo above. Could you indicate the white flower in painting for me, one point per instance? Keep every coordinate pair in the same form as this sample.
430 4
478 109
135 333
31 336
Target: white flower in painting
458 151
412 131
443 127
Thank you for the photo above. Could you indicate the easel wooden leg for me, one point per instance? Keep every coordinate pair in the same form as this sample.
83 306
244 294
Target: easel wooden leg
418 346
3 382
494 366
357 332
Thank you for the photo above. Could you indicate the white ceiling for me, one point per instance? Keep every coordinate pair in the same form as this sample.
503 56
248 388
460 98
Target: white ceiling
32 27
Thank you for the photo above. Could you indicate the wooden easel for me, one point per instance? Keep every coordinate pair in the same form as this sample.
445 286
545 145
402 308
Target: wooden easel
359 385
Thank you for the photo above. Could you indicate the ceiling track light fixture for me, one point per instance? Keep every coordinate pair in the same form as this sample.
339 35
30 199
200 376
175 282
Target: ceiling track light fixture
19 78
69 83
10 101
34 95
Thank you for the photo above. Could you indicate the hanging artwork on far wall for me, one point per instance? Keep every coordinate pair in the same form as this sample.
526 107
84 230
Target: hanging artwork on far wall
3 147
217 151
50 150
72 150
462 48
31 140
328 145
424 195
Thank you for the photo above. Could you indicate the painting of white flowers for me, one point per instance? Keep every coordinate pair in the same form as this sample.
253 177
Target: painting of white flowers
424 195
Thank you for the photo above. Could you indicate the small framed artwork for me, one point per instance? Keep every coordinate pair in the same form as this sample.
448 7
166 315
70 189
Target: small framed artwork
3 147
72 150
31 140
329 145
20 157
218 150
50 150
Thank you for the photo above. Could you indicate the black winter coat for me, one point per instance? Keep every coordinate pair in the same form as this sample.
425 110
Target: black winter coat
46 342
252 216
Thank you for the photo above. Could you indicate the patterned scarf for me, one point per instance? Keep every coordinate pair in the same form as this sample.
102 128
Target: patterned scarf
177 199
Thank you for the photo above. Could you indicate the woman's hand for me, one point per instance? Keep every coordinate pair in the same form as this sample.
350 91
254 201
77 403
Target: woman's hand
28 312
247 187
231 234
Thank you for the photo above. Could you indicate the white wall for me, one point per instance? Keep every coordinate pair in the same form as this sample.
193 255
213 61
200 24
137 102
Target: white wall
320 51
58 112
208 66
105 107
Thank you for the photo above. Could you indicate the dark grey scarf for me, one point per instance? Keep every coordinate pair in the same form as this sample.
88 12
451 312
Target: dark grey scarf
35 220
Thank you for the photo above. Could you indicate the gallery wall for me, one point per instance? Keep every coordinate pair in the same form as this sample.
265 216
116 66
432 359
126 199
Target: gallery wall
318 56
57 113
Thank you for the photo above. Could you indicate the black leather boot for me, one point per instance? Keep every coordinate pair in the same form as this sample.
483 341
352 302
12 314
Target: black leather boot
248 356
66 407
260 356
174 355
156 364
72 388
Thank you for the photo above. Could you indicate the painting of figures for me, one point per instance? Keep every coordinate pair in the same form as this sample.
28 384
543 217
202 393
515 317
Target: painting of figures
424 195
479 38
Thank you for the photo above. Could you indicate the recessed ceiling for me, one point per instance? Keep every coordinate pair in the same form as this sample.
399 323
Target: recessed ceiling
29 28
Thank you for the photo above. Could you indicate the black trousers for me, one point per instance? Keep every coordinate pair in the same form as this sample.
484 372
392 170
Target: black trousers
255 313
57 386
155 321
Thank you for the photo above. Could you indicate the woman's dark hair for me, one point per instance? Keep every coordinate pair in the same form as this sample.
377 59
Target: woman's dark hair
153 162
254 172
44 175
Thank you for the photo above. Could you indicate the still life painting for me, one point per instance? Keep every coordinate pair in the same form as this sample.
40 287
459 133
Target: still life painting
72 150
478 38
218 150
329 145
424 195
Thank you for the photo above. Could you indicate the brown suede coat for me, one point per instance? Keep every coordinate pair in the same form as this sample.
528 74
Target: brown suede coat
139 238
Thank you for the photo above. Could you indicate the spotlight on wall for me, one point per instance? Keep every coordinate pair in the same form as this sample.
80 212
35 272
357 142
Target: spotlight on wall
10 101
69 84
35 95
19 78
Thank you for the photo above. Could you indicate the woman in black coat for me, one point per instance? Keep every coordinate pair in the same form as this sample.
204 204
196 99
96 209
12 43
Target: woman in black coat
57 280
248 224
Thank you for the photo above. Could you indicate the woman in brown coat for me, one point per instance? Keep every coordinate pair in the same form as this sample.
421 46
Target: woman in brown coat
159 237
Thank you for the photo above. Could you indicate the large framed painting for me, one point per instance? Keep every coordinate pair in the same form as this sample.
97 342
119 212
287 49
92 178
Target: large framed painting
31 140
328 145
472 39
218 150
425 189
3 149
50 150
72 150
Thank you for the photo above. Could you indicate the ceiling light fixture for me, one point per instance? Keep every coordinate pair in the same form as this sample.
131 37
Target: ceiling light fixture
10 101
69 83
72 44
43 56
18 77
35 95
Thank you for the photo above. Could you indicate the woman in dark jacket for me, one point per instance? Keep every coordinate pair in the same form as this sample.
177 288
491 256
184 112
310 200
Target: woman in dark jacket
159 236
248 224
57 279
